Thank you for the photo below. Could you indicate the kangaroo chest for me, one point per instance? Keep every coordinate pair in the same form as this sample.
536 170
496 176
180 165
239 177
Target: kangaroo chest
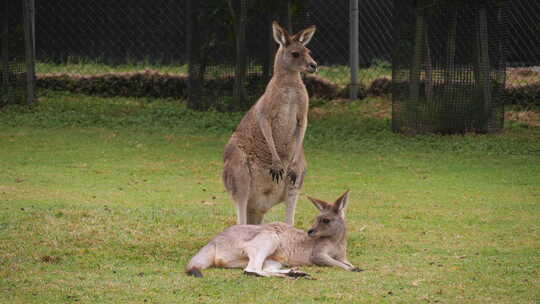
287 123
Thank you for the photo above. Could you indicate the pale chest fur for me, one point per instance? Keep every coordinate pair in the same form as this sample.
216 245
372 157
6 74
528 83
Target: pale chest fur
291 101
291 106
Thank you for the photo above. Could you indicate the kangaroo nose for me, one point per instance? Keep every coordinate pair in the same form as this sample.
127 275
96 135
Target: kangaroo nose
310 232
312 67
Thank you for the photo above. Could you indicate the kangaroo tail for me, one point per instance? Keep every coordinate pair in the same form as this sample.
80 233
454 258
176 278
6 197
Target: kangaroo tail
202 260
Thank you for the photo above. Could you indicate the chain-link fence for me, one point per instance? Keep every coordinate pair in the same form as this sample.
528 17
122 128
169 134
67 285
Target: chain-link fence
523 56
449 67
148 48
228 46
16 64
81 33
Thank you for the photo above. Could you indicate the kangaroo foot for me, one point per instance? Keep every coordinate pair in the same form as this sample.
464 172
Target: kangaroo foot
297 274
252 273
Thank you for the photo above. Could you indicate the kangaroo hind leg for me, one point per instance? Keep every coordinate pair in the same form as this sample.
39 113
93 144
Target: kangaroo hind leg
258 249
237 181
274 268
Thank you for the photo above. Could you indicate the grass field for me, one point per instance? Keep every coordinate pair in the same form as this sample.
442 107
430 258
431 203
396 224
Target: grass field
105 200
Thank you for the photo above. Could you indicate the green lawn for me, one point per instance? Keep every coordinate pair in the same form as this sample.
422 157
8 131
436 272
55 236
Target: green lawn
105 200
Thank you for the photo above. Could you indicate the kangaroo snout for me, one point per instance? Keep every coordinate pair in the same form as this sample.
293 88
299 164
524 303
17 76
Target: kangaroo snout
311 232
312 67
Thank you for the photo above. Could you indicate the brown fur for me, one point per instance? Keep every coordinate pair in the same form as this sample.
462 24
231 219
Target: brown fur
262 249
264 161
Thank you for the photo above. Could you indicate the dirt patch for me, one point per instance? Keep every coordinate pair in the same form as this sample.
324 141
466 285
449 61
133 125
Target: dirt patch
163 85
522 75
132 84
320 87
527 117
380 86
50 259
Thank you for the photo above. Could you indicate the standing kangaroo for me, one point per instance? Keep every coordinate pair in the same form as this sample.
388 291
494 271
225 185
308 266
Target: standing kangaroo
268 142
262 249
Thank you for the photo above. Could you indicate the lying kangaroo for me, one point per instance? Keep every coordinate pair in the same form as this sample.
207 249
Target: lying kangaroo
262 249
268 142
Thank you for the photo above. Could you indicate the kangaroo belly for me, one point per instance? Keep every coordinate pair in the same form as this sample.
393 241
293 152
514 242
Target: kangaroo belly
265 193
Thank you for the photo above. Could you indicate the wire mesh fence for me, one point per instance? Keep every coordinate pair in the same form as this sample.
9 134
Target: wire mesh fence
523 57
87 36
226 60
16 75
449 67
164 47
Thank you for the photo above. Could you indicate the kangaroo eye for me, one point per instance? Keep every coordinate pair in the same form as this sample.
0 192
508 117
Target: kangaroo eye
326 221
296 54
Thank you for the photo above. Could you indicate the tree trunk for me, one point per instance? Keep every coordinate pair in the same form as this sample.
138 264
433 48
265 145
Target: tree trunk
240 71
195 78
5 51
29 51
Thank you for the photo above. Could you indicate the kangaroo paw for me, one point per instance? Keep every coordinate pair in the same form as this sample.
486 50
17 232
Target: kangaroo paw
292 175
356 269
276 174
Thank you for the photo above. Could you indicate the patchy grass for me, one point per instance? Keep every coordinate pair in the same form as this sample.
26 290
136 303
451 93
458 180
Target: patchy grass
338 74
105 200
89 67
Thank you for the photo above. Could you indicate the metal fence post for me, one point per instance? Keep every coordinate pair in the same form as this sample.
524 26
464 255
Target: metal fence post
29 51
353 51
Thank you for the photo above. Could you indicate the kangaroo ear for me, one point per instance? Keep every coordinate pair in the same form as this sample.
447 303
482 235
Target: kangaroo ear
305 35
280 34
341 203
321 205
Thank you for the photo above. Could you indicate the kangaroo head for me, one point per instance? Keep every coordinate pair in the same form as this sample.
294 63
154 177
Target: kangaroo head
293 55
331 220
